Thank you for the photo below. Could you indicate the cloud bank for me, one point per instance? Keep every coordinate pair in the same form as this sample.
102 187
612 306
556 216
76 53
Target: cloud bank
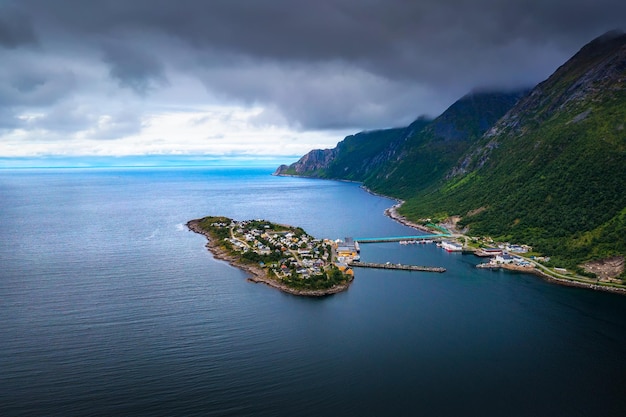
137 76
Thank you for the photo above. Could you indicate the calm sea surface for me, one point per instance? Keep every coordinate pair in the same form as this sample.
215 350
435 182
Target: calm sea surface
109 306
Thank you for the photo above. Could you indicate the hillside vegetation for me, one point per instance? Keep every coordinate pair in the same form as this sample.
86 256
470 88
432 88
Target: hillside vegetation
547 169
552 172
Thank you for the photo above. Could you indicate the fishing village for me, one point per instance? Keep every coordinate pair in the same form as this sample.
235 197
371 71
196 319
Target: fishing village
289 259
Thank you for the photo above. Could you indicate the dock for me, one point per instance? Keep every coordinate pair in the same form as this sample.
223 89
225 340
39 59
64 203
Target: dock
397 266
398 238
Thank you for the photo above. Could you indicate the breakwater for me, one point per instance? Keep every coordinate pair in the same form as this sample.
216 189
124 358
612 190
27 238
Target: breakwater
400 238
398 266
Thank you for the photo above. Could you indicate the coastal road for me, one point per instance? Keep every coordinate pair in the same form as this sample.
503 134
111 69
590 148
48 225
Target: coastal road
572 278
295 255
232 235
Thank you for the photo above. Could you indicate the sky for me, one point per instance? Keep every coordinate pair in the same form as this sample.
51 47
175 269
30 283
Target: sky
264 78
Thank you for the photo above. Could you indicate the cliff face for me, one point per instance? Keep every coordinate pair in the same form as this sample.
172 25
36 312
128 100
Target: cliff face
311 164
355 157
382 157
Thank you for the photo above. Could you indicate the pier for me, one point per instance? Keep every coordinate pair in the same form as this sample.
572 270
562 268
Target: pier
397 266
399 238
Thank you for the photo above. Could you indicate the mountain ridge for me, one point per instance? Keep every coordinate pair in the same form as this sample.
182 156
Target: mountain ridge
547 169
373 156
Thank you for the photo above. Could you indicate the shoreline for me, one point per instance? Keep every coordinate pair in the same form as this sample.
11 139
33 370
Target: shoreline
562 281
392 213
259 275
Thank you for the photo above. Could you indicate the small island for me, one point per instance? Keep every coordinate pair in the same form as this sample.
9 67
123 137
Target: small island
281 256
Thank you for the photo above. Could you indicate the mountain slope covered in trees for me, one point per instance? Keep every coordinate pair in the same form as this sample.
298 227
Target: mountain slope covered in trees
424 150
549 171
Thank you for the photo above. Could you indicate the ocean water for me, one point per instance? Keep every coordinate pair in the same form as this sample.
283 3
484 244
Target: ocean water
109 306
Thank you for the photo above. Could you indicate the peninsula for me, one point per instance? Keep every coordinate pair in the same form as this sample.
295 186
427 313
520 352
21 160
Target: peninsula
281 256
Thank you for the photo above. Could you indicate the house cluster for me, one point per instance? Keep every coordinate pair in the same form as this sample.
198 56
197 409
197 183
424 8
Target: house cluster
508 247
505 254
283 252
505 258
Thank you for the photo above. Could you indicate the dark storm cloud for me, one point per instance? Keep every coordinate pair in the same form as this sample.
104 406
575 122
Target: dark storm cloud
323 64
388 35
330 96
15 29
134 68
22 85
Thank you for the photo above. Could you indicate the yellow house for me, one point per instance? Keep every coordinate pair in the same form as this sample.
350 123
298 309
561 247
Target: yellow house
346 251
344 268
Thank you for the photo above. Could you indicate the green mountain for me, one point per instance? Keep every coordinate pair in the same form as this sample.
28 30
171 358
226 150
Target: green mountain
549 171
552 171
428 154
407 156
357 157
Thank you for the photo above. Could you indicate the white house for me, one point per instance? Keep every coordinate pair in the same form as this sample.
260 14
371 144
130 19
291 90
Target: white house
504 258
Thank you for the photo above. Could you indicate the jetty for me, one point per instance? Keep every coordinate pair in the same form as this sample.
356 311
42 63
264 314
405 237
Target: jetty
399 238
403 267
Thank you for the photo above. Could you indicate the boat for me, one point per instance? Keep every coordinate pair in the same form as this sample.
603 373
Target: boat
451 246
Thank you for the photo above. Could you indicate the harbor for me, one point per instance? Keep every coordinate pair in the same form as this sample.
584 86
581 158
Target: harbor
347 252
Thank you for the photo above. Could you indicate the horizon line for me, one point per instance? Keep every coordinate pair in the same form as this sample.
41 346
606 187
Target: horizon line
142 161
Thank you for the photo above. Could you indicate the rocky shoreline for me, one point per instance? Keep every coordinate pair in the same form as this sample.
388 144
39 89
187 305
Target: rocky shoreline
570 283
555 280
257 274
392 213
